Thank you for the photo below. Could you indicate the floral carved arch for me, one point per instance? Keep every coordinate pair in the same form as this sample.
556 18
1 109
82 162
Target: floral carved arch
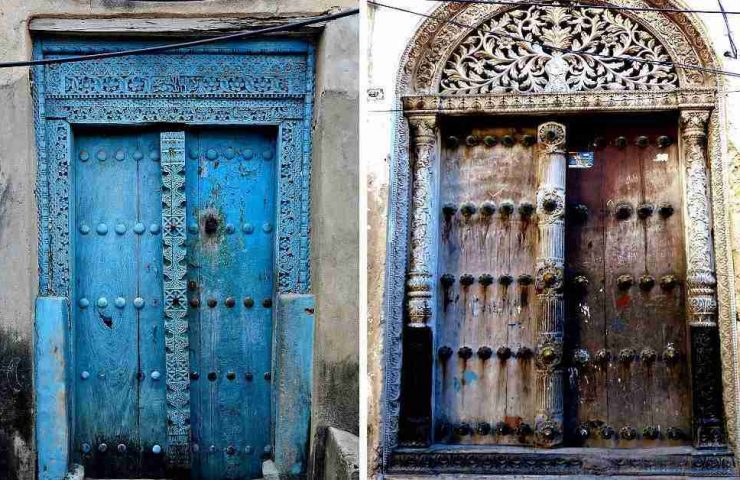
467 49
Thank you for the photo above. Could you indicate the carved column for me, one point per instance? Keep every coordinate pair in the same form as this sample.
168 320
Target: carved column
549 284
701 285
416 392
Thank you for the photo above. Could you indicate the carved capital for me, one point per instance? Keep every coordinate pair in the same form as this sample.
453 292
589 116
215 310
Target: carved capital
423 130
694 126
551 136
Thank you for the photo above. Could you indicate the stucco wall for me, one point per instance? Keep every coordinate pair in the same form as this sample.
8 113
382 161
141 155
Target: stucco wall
337 89
388 34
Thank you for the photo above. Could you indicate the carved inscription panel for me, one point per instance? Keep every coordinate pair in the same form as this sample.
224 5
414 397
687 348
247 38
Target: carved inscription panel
485 370
627 377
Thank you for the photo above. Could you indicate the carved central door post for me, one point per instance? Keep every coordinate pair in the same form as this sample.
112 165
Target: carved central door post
701 285
416 394
549 284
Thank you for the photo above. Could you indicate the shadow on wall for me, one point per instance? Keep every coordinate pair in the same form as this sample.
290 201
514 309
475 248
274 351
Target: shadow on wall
16 406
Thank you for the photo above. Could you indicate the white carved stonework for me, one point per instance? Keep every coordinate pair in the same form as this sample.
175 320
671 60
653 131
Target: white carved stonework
419 280
549 284
701 279
509 53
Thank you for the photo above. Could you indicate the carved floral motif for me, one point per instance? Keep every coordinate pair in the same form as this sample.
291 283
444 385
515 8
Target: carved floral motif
509 53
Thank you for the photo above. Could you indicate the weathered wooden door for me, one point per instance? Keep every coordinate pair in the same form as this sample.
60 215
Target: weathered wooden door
607 364
121 423
628 377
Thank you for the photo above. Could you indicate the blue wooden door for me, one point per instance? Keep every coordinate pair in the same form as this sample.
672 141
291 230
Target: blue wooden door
230 189
121 426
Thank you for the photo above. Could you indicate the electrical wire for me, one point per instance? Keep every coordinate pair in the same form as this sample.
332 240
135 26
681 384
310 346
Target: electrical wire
732 53
546 47
607 6
161 48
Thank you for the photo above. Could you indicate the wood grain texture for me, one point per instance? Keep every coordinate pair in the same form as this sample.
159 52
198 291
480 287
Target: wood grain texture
231 213
117 346
642 392
493 313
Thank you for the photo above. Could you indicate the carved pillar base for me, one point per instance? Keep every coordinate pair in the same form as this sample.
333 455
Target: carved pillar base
415 426
709 429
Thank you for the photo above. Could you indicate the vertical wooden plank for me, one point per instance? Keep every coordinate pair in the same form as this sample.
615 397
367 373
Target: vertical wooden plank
624 255
482 253
148 304
669 394
236 215
51 377
293 375
586 383
105 321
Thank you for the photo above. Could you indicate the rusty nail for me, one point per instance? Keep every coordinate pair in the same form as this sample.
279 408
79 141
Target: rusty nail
628 433
449 209
463 429
526 209
211 224
648 355
523 352
231 375
642 141
194 375
528 140
665 210
212 376
267 303
581 357
645 210
465 353
607 432
485 352
668 282
620 142
651 432
212 302
444 353
524 429
447 280
507 140
267 376
626 355
486 279
230 302
121 448
471 140
503 352
502 428
580 283
487 208
670 354
490 140
483 428
505 280
623 211
466 280
647 282
624 282
248 302
580 212
195 302
524 279
248 376
583 432
602 356
102 448
664 141
467 209
86 448
506 208
452 141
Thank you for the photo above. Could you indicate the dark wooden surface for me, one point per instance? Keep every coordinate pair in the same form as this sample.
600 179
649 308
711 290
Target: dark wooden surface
637 393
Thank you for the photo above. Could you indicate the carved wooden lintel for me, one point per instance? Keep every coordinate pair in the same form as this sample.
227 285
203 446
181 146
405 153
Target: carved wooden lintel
549 284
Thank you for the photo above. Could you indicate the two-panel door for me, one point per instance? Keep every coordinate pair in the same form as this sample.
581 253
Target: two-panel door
624 365
120 425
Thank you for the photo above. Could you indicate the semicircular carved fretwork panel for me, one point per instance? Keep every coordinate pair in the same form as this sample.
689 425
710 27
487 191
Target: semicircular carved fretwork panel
491 59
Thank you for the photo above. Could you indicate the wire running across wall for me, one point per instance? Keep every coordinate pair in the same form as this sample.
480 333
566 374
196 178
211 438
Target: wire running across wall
551 48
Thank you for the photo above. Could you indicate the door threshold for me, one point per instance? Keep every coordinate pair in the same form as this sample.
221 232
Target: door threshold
682 461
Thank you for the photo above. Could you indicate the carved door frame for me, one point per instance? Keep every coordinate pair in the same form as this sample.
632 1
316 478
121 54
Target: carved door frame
410 295
176 96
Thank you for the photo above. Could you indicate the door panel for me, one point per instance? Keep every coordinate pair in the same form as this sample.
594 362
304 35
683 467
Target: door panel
485 371
230 189
627 388
119 342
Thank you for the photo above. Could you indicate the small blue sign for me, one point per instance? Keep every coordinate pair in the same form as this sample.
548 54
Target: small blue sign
580 159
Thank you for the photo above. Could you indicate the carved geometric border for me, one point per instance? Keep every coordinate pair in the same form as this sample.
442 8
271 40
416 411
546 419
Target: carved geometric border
429 48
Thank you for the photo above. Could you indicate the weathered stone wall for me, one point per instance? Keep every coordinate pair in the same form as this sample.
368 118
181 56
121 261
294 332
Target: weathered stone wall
388 35
336 361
